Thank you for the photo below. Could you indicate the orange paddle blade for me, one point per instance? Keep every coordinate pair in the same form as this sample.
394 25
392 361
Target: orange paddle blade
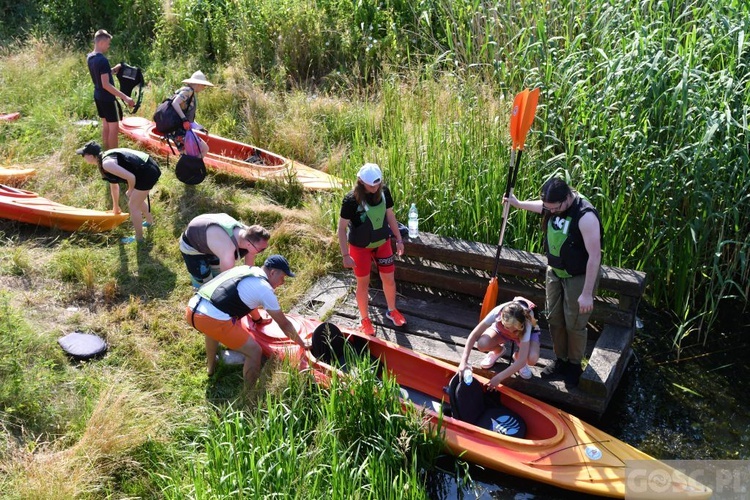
516 115
490 298
527 113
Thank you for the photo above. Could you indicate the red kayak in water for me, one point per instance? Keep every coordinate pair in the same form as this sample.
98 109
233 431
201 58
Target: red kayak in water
512 433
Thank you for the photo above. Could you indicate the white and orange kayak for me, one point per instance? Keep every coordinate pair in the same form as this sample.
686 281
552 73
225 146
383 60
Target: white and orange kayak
26 206
232 157
557 447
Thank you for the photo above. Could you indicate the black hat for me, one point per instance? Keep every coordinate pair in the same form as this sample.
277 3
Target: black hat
278 262
90 148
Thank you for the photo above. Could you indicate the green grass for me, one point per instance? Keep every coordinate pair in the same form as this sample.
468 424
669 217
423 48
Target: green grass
350 440
643 108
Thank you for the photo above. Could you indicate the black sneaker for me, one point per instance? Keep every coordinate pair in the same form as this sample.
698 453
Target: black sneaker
555 369
573 373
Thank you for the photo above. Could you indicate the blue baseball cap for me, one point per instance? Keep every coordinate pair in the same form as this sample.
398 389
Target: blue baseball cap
278 262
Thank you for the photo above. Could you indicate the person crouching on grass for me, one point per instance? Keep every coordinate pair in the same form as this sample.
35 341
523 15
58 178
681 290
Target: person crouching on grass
511 322
135 168
217 308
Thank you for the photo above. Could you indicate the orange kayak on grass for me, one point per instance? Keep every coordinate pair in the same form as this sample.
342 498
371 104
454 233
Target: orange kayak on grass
232 157
9 117
13 175
558 448
26 206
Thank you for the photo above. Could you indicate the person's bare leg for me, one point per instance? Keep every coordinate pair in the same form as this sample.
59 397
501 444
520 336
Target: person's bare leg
110 131
212 347
253 356
389 289
362 295
135 203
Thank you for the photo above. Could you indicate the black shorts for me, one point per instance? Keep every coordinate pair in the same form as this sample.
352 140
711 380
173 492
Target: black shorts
199 266
147 176
108 110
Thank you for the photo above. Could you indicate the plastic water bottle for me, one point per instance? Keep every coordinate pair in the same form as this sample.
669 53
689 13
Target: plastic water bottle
468 376
413 221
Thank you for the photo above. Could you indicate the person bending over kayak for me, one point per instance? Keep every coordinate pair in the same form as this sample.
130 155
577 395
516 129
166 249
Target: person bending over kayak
185 104
367 213
219 305
212 244
135 168
511 322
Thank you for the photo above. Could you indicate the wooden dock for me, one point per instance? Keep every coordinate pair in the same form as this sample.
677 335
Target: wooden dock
441 282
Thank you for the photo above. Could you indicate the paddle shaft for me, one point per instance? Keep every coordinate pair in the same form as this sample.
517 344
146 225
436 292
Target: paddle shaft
515 157
524 109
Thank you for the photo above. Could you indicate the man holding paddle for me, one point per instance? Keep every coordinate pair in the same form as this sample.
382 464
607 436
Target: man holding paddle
573 236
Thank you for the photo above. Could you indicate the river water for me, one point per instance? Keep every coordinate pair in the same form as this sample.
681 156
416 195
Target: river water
694 408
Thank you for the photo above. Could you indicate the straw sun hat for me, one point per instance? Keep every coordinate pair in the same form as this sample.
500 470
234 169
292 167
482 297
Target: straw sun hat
198 78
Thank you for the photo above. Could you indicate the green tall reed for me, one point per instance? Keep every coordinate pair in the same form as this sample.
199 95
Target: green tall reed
350 440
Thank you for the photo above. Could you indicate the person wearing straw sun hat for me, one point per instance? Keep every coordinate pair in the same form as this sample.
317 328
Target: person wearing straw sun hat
185 104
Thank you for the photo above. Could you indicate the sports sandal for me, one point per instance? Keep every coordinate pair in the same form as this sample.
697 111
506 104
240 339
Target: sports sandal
491 358
396 317
367 327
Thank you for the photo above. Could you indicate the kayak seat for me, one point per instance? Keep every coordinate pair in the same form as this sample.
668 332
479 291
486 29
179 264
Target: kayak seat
420 398
330 346
471 403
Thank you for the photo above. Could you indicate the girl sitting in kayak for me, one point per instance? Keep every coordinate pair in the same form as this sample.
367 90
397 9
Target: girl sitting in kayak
135 168
509 322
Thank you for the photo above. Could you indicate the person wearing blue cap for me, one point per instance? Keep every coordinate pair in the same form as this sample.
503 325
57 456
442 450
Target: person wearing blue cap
217 307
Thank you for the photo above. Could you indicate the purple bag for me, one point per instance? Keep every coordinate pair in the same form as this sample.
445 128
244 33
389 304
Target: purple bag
192 146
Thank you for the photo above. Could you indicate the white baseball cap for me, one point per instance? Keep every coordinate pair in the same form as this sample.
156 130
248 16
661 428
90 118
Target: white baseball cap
370 174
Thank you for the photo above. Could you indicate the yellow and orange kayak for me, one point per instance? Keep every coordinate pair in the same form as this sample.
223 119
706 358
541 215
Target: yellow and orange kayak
15 175
557 448
26 206
232 157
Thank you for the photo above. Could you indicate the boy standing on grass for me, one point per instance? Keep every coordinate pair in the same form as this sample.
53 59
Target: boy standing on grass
105 91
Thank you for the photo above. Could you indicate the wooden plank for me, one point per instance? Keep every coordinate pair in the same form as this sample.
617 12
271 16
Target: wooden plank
609 356
512 262
606 310
440 316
